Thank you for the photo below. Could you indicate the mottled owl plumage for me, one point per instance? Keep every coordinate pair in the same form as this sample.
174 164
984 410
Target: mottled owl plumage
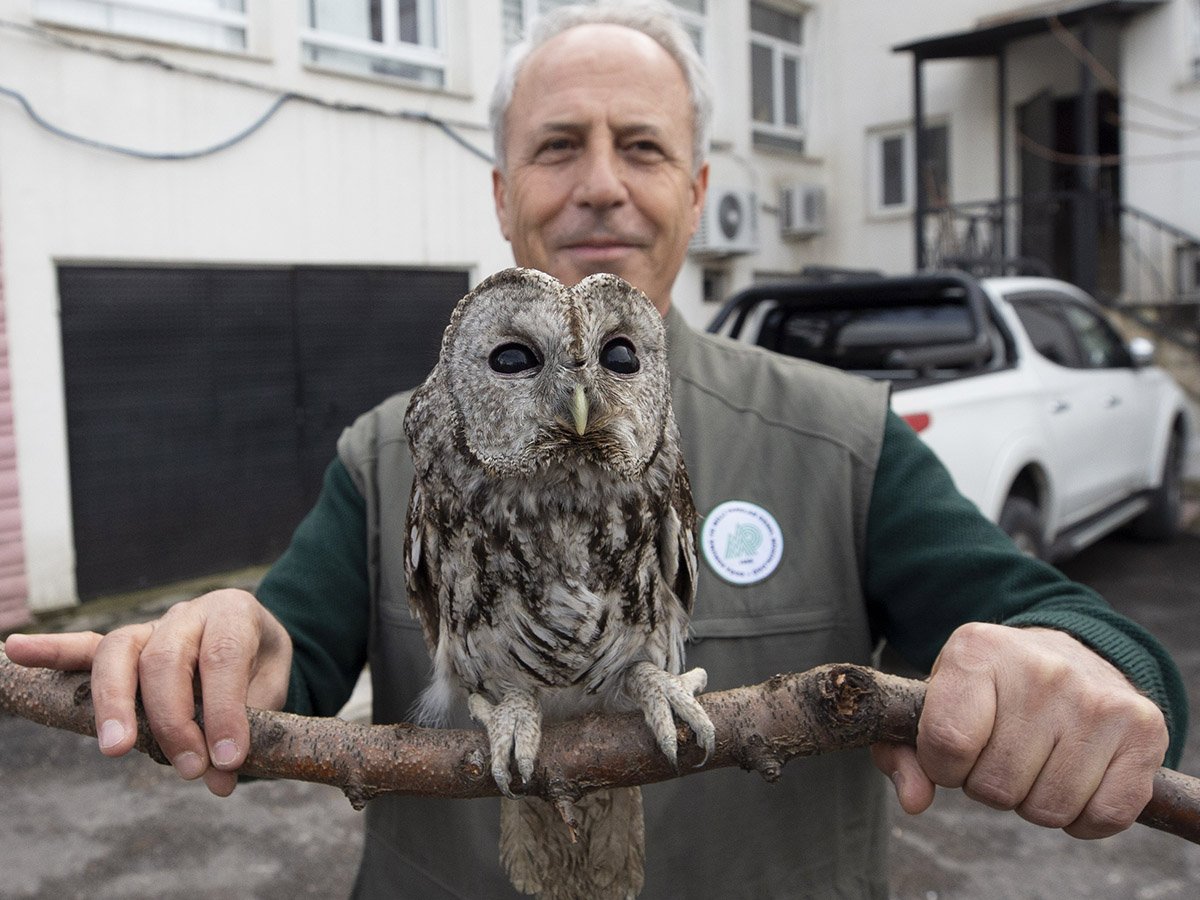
550 546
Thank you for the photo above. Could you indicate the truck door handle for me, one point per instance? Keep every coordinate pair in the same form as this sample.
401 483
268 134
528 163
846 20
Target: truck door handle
1059 406
1112 402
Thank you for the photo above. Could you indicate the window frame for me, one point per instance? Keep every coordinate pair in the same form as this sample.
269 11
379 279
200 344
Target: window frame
876 182
694 23
1074 318
59 12
431 54
779 48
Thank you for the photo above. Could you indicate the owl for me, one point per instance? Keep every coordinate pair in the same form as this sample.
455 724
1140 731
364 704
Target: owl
550 552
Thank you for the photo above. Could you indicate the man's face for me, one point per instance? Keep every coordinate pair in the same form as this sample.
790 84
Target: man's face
599 172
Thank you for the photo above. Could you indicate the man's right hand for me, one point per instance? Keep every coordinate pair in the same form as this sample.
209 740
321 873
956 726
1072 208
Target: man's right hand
240 652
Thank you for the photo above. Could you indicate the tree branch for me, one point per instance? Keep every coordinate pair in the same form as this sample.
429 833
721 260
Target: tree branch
760 728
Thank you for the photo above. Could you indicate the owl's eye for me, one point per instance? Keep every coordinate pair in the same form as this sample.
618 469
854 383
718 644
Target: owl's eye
513 359
619 356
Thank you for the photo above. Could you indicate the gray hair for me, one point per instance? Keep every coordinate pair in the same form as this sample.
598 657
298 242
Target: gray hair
654 19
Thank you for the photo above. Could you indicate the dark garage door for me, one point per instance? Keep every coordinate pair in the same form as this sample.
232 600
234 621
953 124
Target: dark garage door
203 405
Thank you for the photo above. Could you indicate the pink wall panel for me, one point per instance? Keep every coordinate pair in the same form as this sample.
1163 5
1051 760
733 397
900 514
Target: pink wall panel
14 590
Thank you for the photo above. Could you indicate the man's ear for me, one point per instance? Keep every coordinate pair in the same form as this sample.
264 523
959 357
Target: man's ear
699 193
499 190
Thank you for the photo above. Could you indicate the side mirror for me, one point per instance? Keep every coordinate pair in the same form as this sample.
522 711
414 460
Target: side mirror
1141 351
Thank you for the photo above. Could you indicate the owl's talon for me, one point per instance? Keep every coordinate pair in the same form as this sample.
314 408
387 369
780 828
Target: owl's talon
660 694
514 729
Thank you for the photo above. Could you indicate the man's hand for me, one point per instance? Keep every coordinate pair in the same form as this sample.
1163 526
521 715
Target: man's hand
1031 720
243 656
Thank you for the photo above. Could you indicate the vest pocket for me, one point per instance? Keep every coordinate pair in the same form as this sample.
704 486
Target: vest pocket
395 611
759 624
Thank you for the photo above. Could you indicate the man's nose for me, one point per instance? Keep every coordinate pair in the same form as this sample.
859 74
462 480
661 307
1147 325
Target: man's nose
600 183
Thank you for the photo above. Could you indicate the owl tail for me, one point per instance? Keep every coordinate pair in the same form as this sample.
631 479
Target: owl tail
604 863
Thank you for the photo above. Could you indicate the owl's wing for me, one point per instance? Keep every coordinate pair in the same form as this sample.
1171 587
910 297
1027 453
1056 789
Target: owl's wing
677 541
421 549
420 554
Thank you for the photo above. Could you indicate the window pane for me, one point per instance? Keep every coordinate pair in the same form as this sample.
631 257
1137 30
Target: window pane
1050 335
359 20
770 21
373 66
762 84
936 177
791 91
418 22
199 23
1102 349
512 19
410 31
891 152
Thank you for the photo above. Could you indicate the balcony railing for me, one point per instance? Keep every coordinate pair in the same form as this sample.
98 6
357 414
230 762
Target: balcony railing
1144 266
1144 260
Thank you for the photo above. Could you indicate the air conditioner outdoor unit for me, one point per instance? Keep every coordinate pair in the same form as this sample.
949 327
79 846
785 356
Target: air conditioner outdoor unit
801 210
728 225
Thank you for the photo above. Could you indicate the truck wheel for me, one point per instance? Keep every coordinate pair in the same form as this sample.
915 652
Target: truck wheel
1021 520
1160 522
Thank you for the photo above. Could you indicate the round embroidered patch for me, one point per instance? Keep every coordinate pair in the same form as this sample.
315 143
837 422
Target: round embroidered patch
741 541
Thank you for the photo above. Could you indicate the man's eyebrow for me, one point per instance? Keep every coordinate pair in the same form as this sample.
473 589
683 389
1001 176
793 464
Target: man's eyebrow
646 129
559 127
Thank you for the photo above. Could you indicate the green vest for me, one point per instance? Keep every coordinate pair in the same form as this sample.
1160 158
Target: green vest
797 444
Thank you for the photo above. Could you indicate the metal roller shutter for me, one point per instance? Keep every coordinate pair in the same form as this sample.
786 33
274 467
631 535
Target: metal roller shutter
203 404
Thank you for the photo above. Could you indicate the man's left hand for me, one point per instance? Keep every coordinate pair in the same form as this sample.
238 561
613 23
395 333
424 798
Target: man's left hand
1031 720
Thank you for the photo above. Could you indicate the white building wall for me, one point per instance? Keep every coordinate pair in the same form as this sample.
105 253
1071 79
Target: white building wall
867 87
1162 138
319 186
313 186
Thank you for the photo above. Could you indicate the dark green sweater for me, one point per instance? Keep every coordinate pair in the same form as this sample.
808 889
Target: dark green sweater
918 523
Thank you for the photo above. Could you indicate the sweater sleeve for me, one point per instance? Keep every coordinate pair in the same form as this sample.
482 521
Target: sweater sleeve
935 562
318 589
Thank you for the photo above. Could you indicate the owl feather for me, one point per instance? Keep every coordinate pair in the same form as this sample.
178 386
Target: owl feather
550 550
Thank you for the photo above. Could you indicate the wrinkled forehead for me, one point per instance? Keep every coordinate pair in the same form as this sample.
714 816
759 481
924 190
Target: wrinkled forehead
599 61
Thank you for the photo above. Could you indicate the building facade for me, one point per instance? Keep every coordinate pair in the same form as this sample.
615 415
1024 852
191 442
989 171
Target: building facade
229 226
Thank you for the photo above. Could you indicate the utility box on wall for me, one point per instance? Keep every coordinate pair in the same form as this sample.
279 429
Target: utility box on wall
728 225
801 211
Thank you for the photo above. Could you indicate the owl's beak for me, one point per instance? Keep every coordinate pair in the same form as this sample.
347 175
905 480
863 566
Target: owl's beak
579 410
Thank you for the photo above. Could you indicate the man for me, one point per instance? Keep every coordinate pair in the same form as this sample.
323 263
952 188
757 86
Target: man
601 130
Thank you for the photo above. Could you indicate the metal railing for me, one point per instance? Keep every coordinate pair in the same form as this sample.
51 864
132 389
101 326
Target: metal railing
1145 267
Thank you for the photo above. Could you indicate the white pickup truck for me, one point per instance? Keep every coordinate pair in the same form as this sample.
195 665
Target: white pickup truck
1053 425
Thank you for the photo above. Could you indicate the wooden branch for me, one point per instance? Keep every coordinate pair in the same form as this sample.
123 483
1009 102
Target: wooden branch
760 728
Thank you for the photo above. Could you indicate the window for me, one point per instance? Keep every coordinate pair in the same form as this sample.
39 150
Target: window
389 38
211 24
1070 334
517 14
892 155
1102 347
777 73
1051 336
714 284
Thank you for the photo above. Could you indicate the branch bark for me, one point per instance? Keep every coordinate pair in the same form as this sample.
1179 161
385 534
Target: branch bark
759 728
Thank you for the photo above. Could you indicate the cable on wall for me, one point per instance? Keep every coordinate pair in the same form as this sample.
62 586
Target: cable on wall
280 100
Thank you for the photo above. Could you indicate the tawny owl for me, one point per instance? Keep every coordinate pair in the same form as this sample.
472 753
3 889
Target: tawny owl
550 552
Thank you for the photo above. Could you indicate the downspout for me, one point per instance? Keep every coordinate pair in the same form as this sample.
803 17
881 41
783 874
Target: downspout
1086 237
919 199
1002 140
